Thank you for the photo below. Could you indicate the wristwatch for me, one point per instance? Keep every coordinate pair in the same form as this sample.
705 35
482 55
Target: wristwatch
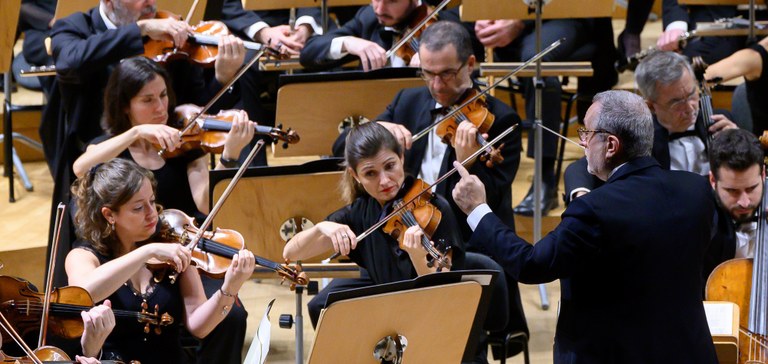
228 163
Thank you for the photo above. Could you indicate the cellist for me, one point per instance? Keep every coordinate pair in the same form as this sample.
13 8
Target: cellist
737 175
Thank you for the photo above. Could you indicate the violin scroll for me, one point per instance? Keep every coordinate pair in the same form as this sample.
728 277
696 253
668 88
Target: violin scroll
294 275
153 319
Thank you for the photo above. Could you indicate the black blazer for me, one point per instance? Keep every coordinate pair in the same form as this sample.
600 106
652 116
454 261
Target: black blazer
238 19
672 11
413 109
364 25
723 246
628 256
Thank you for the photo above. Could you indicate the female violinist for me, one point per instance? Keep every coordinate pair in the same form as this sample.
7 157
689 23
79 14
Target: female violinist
139 106
116 218
374 178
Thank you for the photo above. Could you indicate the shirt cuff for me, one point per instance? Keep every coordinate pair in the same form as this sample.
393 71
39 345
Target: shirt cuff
577 190
255 28
474 217
678 24
308 20
336 45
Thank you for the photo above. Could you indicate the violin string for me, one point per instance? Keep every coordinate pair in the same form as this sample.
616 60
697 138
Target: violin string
410 220
36 307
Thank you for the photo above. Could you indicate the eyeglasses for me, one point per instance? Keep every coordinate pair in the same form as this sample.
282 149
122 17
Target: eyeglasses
584 133
679 104
445 76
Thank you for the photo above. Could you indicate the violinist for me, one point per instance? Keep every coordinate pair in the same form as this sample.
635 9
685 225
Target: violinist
668 85
140 105
368 36
628 254
736 176
117 218
515 40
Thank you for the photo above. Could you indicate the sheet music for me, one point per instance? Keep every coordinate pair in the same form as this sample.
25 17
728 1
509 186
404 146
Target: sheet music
257 352
719 318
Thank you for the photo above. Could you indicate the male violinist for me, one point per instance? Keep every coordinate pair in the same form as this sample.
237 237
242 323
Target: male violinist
668 84
368 36
737 175
447 63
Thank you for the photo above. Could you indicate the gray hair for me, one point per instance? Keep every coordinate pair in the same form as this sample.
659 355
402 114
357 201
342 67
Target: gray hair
626 116
660 68
439 35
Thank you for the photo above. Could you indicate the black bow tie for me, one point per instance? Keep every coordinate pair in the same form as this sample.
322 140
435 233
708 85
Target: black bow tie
440 111
687 133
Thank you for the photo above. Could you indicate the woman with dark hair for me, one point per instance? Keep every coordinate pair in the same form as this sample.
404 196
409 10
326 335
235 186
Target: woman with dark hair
139 114
117 220
374 179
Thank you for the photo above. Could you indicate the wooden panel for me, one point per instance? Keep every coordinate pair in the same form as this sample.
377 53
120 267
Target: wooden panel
315 110
65 8
472 10
287 4
26 123
28 264
9 10
258 206
419 315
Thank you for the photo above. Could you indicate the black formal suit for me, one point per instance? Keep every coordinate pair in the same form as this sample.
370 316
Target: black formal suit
238 19
576 174
364 25
711 49
628 256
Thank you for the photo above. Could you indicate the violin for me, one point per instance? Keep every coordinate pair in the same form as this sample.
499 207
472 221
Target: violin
212 255
210 132
420 211
476 112
49 354
422 17
201 47
23 306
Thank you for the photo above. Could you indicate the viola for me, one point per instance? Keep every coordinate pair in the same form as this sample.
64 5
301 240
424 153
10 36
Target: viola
201 47
23 306
212 255
420 211
210 131
476 112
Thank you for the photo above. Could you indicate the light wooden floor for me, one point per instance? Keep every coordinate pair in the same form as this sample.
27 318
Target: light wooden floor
25 225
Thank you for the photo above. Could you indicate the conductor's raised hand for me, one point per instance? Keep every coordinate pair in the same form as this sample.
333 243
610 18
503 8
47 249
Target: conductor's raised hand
469 192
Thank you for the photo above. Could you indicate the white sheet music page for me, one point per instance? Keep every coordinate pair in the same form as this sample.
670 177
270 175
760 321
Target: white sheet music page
719 317
257 352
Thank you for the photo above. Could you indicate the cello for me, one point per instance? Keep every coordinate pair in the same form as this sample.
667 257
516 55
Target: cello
744 281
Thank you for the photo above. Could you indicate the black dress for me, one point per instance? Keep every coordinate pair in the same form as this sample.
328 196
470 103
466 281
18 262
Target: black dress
128 340
379 253
756 93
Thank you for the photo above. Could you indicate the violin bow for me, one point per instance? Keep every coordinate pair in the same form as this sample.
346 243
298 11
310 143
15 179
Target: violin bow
51 266
480 94
191 11
407 37
442 178
215 210
17 338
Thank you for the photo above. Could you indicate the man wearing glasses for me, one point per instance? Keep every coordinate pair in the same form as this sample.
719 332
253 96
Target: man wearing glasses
628 255
667 82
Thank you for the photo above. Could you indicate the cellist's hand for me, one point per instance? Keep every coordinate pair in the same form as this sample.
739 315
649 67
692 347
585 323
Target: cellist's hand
239 271
239 136
166 29
719 123
98 323
230 58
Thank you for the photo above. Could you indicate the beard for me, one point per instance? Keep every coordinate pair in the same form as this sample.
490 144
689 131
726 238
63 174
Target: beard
122 16
738 218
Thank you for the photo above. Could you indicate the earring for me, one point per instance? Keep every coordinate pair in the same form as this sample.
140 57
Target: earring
112 225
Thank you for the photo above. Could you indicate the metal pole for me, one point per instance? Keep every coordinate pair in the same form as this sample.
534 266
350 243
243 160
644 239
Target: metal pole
299 323
324 15
8 134
537 152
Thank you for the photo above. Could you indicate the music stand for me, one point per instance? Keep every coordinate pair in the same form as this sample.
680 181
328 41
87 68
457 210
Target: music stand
472 10
10 10
336 96
415 309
